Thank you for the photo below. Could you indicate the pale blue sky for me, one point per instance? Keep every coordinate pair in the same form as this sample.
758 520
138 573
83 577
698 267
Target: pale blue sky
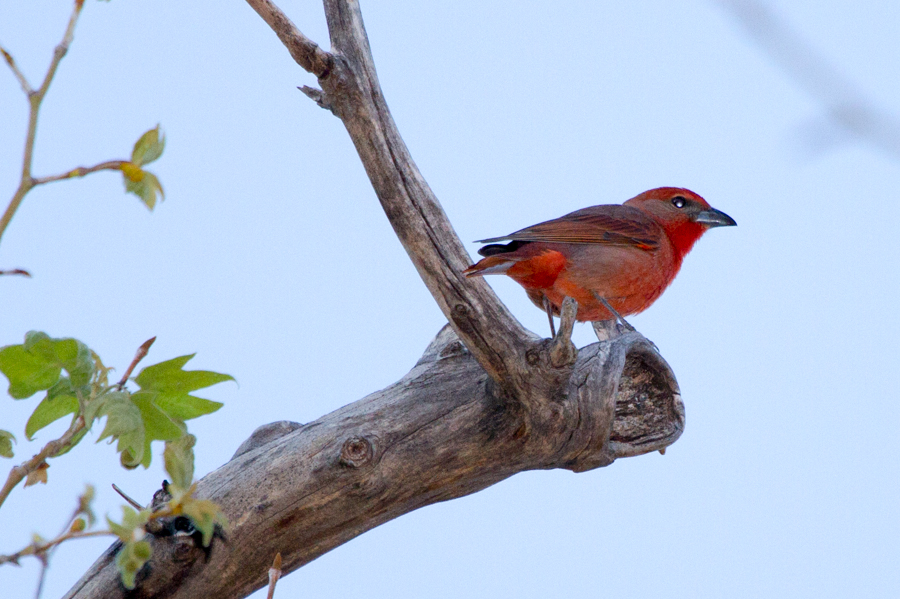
272 260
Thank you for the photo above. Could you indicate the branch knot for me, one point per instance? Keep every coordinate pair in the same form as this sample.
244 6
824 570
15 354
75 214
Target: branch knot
356 452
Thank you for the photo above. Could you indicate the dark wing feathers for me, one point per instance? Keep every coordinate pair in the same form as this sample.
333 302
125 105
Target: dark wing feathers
609 225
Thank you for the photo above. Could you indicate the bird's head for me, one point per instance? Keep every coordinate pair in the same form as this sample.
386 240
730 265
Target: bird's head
683 214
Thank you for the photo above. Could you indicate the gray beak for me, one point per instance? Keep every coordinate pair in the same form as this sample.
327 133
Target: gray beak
714 218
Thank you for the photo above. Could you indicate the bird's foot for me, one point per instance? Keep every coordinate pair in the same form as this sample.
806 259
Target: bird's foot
612 328
618 318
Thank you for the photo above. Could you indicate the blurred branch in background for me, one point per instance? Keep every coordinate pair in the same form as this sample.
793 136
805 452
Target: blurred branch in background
848 110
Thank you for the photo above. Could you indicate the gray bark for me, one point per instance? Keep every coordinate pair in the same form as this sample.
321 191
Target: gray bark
488 398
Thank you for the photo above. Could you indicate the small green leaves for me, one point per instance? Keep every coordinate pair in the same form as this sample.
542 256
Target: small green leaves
149 147
130 559
135 552
6 441
204 515
132 526
36 364
141 183
179 459
157 411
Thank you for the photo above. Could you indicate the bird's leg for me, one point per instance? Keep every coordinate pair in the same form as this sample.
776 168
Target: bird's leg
562 350
549 308
607 329
618 317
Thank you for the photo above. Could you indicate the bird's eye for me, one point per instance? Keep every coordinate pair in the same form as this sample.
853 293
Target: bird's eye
679 201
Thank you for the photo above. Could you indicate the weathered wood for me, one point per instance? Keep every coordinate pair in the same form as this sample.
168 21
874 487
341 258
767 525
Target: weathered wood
437 434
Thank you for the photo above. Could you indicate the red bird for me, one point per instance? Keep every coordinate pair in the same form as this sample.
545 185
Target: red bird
625 255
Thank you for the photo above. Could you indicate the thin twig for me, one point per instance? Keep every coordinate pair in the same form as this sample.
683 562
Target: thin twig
49 450
26 87
133 503
37 549
35 97
140 355
44 557
15 271
45 563
81 171
274 575
41 550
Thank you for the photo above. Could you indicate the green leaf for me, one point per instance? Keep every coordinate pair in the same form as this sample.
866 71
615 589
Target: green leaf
37 364
157 424
173 386
149 147
169 376
124 423
186 407
144 185
81 369
52 408
166 402
179 459
6 441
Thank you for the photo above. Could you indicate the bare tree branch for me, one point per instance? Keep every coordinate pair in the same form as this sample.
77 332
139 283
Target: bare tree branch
353 93
437 434
488 398
846 105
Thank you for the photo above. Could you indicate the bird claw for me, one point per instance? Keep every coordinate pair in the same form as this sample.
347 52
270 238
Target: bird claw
608 329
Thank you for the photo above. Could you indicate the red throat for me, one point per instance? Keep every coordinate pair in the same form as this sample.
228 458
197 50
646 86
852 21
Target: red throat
683 237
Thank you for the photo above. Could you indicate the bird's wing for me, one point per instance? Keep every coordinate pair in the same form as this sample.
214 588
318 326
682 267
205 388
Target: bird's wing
608 225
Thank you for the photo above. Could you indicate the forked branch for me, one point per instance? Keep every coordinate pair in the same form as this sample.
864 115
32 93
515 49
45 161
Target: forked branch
350 88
